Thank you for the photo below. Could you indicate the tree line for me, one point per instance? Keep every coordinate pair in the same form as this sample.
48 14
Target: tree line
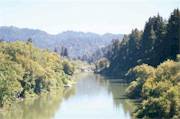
27 71
149 60
159 41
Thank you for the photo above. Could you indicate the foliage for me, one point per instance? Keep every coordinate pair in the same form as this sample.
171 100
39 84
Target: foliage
27 71
157 84
101 64
68 67
10 75
142 73
159 90
158 42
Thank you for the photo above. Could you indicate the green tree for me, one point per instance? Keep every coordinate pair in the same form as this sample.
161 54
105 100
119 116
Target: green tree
173 35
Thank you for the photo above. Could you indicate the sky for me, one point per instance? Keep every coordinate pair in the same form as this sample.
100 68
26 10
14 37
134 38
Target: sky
99 16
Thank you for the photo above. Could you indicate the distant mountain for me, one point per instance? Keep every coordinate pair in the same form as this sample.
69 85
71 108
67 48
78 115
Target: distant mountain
78 44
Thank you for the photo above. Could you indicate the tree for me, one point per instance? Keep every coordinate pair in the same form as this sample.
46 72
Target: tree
68 68
64 52
156 43
158 89
55 50
29 40
26 71
173 35
101 64
141 73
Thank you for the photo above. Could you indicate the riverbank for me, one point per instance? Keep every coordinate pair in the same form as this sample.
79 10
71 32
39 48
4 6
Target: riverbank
27 72
92 96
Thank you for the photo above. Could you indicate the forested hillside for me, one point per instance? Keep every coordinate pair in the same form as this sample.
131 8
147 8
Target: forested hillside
28 71
78 44
159 41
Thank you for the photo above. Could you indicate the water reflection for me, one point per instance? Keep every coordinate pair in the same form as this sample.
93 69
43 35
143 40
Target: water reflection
93 97
119 98
96 98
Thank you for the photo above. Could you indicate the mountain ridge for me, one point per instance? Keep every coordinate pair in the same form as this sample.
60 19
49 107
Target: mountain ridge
78 43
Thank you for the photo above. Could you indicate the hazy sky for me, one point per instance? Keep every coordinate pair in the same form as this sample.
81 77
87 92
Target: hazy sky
100 16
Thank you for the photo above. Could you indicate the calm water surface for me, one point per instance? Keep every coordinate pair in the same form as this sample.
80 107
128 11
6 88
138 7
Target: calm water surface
93 97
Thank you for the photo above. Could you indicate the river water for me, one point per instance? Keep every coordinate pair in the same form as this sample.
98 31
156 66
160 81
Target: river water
93 97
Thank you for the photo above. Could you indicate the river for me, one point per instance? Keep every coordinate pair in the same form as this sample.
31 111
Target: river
93 97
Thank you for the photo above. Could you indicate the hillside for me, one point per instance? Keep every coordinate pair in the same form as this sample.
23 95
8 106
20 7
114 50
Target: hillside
77 43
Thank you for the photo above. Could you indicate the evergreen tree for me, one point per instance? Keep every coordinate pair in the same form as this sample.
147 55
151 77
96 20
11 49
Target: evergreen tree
173 35
64 52
158 41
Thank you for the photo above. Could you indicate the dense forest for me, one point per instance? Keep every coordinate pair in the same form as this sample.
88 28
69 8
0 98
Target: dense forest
27 71
149 60
159 41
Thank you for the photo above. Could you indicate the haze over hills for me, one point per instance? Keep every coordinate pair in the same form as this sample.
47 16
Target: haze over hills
77 43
